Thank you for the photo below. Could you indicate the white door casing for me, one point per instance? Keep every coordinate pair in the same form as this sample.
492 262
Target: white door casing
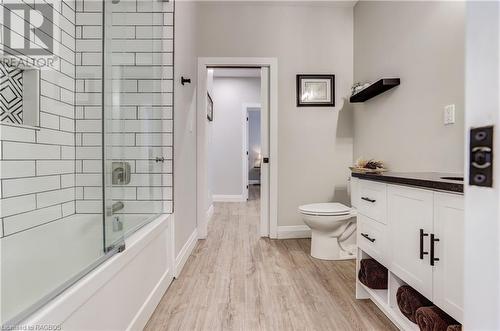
265 226
269 205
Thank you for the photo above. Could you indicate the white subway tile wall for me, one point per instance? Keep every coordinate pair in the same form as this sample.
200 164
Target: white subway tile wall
54 171
141 127
36 162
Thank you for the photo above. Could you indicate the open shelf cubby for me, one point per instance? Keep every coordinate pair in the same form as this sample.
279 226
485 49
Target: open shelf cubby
384 299
380 86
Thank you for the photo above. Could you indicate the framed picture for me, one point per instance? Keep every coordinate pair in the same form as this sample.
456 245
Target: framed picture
315 90
210 108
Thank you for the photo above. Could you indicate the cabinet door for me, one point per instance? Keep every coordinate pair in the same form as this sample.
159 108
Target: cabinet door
449 269
410 211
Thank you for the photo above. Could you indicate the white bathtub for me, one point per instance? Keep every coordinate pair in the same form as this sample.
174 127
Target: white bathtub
122 293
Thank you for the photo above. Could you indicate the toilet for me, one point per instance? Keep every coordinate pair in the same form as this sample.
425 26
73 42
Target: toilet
331 224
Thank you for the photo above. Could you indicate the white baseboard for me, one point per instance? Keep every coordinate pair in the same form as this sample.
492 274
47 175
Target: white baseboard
210 213
185 252
294 231
228 198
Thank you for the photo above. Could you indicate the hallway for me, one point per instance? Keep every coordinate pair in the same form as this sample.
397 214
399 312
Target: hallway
236 280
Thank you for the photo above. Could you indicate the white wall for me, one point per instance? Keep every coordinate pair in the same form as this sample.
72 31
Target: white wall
423 44
314 38
228 131
185 123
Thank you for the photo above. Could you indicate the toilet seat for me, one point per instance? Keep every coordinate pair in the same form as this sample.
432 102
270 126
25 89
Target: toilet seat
325 209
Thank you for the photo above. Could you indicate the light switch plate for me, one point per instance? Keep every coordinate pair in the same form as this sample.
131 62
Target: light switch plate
449 114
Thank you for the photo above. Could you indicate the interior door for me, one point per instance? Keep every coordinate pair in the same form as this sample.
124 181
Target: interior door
264 141
410 214
482 212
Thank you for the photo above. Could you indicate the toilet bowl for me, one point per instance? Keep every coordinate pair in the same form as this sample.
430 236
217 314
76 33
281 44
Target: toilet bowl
331 223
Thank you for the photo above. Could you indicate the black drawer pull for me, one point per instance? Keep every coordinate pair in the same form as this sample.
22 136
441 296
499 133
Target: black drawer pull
368 199
368 237
433 258
422 235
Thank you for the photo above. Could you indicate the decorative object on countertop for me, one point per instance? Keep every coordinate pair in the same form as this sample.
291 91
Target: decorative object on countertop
368 166
373 274
374 89
315 90
434 319
409 301
210 108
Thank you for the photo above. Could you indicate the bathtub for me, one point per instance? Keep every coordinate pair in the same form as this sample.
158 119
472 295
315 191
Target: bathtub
121 293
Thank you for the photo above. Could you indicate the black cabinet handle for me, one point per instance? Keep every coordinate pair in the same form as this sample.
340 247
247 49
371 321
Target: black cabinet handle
433 240
368 237
422 235
368 199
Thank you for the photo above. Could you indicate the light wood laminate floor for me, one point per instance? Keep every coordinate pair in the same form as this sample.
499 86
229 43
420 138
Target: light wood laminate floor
236 280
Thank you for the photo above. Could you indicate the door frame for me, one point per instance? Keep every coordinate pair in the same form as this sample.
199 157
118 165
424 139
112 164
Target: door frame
269 221
246 108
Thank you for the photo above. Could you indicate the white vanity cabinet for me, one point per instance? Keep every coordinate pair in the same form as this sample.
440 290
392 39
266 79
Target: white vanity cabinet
419 237
410 224
448 270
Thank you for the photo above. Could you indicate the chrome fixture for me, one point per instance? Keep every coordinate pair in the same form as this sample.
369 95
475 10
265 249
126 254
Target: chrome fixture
114 208
120 173
117 224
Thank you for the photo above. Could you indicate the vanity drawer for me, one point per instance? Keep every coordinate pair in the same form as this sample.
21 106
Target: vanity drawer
372 238
372 200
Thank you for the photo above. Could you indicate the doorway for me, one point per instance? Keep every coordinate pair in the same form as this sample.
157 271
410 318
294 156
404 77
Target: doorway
267 190
252 149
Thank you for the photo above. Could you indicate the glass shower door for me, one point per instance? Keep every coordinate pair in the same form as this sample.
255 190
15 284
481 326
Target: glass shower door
133 131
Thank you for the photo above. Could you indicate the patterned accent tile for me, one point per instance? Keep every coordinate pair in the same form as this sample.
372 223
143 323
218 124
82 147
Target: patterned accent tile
11 94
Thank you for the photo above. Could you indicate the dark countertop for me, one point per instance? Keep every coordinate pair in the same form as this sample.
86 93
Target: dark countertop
431 180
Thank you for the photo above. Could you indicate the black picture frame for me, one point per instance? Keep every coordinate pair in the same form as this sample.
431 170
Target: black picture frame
320 77
210 108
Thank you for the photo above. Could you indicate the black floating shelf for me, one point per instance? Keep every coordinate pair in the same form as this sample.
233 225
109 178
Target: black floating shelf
375 89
